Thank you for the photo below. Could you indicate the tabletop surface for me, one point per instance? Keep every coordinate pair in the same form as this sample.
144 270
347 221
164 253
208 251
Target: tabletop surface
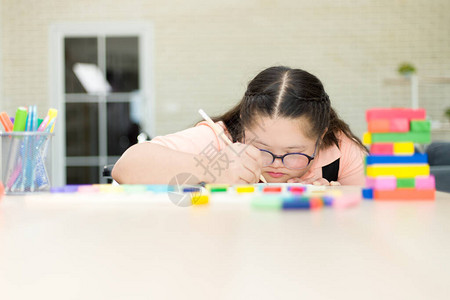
142 246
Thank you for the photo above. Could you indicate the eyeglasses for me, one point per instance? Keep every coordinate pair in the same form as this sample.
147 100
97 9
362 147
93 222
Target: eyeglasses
290 160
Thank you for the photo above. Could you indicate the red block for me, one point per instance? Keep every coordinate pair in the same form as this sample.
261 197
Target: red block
399 125
296 189
404 194
382 149
272 189
378 125
395 113
315 203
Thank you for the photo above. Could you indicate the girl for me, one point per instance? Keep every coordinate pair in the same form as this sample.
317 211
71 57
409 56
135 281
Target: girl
284 128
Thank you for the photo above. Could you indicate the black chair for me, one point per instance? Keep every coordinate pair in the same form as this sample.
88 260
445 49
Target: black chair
107 172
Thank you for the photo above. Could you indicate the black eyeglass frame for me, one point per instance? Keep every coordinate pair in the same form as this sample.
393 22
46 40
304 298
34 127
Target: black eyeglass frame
310 158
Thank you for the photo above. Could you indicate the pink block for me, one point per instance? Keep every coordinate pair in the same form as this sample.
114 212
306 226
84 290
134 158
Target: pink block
385 183
370 182
399 125
391 113
382 149
345 201
88 189
425 182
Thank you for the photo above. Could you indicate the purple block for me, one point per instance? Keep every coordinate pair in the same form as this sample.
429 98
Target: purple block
71 188
425 182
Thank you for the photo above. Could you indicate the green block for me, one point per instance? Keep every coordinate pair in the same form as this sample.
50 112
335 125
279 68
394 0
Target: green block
214 188
420 126
134 188
406 182
365 165
267 202
393 137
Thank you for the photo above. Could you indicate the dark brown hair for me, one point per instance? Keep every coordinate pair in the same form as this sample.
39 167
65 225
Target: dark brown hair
289 93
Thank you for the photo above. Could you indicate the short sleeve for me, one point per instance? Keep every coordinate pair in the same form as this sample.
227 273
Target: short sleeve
192 140
351 169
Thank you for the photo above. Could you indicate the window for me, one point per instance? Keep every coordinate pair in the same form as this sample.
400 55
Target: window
104 97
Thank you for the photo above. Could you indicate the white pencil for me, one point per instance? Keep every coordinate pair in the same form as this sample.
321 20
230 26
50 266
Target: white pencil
219 132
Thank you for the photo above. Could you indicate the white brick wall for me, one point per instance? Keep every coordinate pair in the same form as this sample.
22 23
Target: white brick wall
206 51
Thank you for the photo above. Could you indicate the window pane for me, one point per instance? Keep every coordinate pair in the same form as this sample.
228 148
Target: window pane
78 50
122 131
83 175
122 63
82 129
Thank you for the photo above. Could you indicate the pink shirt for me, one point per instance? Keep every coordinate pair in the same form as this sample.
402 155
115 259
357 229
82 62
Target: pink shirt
351 165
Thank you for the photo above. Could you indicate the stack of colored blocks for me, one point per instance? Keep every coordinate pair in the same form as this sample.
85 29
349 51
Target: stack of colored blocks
394 170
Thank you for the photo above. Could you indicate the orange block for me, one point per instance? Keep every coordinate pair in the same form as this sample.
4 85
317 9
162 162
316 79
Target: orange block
378 125
404 194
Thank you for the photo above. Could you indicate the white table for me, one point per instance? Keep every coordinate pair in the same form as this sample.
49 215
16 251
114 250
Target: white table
120 246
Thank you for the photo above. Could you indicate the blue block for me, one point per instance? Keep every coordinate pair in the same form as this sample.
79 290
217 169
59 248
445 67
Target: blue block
417 158
296 202
159 188
191 189
367 193
328 200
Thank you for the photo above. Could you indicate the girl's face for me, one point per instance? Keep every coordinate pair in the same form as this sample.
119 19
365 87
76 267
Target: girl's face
281 136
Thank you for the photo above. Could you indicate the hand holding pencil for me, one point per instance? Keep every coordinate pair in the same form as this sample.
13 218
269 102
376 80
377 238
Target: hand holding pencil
219 131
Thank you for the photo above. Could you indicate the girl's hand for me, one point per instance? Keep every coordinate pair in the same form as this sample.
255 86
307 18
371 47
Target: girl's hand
244 165
314 181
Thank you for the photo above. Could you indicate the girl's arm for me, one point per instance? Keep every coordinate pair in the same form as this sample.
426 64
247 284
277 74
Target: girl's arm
150 163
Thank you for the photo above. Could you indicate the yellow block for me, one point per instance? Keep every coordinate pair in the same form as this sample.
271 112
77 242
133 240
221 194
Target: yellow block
406 148
109 188
367 138
398 170
245 189
199 199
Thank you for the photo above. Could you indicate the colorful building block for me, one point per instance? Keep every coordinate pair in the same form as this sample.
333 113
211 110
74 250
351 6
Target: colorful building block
406 182
191 189
267 202
163 188
399 125
245 189
404 148
367 193
382 148
296 203
315 203
384 183
420 125
328 200
425 182
134 188
199 199
215 188
272 189
347 201
296 189
418 158
109 188
378 125
88 189
392 137
405 194
367 138
398 170
391 113
2 190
